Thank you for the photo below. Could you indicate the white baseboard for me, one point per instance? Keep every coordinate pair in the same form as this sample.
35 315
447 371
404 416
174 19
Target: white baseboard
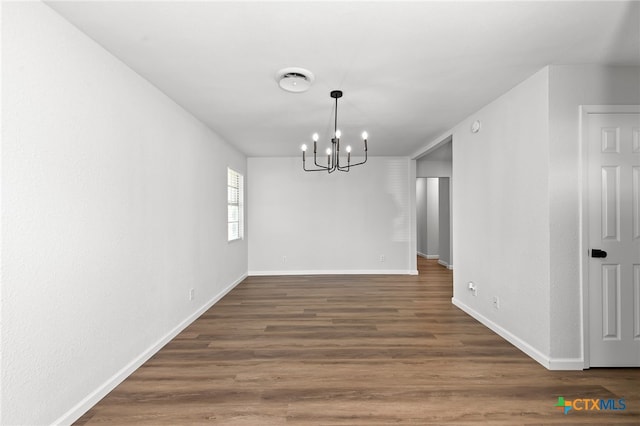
544 360
565 364
93 398
508 336
337 272
429 256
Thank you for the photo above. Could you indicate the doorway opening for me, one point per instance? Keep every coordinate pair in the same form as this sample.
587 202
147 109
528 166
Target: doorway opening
433 204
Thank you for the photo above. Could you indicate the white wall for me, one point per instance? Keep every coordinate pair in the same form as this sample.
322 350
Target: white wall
421 216
426 167
570 87
113 208
501 215
523 169
427 217
444 219
433 218
322 223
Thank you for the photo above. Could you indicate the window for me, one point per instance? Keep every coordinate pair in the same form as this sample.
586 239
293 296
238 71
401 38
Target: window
234 205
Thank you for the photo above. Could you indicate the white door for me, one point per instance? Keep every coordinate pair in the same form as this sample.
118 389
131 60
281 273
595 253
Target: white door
614 239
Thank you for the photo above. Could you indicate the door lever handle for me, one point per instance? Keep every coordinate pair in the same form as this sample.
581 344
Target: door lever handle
598 253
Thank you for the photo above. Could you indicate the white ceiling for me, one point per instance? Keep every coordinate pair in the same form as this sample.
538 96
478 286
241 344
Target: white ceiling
409 70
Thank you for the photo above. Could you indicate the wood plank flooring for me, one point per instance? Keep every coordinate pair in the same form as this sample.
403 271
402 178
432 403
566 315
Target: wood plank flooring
353 350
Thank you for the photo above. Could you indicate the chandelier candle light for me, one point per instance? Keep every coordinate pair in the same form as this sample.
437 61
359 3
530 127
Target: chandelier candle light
333 153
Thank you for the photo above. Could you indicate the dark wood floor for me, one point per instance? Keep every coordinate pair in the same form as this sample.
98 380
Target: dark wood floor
345 350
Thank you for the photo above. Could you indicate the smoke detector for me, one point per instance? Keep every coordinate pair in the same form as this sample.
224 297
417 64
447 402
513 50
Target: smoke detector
294 79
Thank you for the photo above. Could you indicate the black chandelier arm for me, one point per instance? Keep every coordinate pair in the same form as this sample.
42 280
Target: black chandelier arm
315 161
318 165
320 169
362 162
304 164
331 160
313 170
329 168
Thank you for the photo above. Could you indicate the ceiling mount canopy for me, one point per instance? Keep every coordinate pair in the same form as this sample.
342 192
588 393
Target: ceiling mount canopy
294 79
333 153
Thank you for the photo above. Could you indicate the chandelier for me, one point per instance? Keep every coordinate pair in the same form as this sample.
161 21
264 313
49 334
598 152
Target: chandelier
333 153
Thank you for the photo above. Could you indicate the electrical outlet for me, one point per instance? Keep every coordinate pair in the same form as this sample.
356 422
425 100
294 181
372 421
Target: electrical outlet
473 288
382 258
496 302
191 294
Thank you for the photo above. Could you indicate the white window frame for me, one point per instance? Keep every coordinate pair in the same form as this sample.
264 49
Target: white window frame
235 181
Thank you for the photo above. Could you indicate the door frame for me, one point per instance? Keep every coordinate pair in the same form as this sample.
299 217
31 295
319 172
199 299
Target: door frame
425 151
585 110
